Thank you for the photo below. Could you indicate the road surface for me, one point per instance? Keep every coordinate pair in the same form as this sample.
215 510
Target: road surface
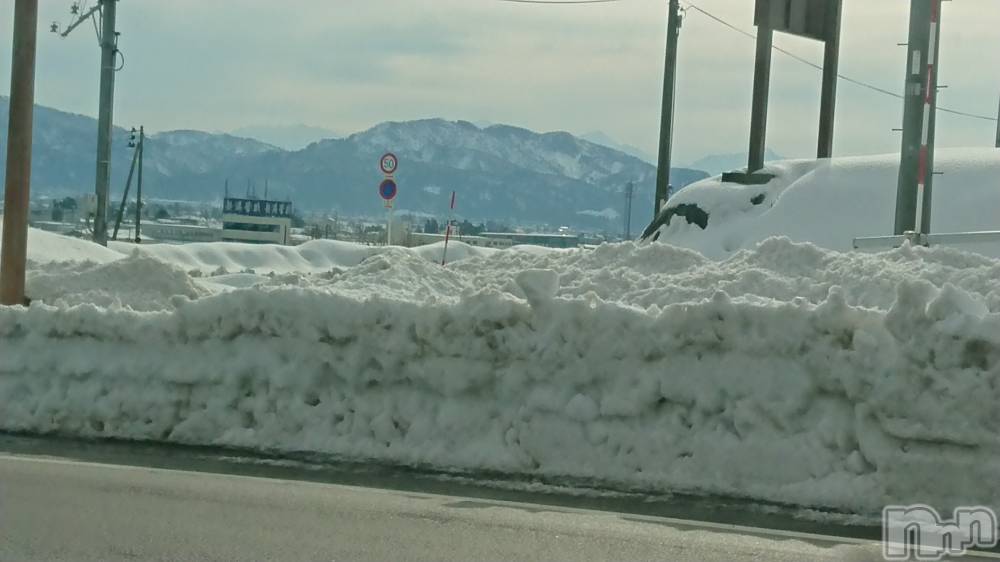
58 508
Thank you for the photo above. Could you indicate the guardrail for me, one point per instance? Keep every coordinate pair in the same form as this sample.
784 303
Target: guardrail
915 238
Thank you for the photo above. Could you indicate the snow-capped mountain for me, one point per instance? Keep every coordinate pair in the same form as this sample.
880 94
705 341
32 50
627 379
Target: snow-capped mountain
499 172
289 137
602 138
189 151
65 145
715 164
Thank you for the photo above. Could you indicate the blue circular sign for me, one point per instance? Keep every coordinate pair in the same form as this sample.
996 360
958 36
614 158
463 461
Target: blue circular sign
387 190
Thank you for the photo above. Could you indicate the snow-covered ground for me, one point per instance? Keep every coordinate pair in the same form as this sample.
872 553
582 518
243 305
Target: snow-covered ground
785 373
829 203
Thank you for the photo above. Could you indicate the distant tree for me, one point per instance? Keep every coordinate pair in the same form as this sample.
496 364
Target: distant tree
432 226
469 229
161 213
493 226
68 204
57 212
298 221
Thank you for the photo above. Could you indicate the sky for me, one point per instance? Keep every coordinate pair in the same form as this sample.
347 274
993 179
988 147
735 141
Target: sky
348 64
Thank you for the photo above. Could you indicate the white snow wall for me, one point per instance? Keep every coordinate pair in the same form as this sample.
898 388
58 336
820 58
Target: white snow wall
820 405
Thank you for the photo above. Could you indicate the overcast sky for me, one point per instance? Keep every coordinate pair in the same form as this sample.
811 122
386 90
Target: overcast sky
348 64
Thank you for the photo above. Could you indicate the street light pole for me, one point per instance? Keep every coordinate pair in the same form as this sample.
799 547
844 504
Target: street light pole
18 180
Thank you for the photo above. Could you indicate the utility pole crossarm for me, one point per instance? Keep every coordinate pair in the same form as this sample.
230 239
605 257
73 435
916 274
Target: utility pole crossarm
80 20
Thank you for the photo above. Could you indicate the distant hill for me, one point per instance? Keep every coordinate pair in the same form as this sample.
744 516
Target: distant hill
288 137
499 172
64 153
599 137
715 164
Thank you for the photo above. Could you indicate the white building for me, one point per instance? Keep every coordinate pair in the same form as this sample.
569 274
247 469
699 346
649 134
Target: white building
177 232
256 221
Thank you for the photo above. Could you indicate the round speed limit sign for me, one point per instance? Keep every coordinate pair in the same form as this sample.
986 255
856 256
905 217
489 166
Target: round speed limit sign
388 163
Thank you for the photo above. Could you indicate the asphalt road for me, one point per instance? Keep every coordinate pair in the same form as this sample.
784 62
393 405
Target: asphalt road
58 509
95 500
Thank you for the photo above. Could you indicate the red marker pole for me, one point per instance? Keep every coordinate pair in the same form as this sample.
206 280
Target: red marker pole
447 232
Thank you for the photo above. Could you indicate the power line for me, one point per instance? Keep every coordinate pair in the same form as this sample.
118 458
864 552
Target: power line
560 1
808 62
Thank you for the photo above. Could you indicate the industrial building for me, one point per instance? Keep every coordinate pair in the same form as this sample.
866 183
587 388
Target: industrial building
259 221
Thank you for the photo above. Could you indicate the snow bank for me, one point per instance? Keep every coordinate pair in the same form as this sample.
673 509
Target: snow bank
47 247
831 202
787 372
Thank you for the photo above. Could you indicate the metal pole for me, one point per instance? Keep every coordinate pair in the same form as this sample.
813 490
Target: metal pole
761 90
667 108
388 225
138 187
109 41
919 90
629 195
18 183
831 63
998 126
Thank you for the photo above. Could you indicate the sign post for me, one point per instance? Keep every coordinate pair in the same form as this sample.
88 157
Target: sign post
813 19
388 189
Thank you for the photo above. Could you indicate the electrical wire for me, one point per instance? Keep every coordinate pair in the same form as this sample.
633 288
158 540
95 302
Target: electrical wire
808 62
560 1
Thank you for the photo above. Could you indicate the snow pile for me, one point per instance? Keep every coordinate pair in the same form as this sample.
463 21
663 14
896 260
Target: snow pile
831 202
787 372
136 282
45 247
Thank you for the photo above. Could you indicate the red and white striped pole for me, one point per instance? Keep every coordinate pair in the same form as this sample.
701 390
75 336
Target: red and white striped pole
447 232
915 188
930 91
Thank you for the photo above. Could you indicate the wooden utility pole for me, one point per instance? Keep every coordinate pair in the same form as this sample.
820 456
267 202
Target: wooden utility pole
667 109
18 180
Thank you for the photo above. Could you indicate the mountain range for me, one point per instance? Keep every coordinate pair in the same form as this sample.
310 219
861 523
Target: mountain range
715 164
499 172
289 137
